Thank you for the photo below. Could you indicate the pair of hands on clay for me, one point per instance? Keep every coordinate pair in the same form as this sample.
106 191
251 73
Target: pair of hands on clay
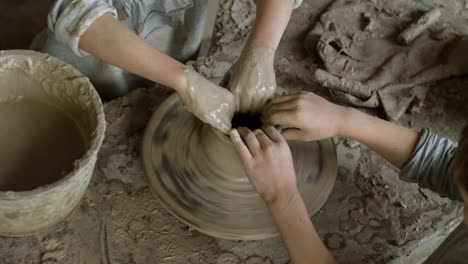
266 156
251 81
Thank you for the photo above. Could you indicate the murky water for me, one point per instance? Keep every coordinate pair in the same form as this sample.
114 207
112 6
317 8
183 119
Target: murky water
38 144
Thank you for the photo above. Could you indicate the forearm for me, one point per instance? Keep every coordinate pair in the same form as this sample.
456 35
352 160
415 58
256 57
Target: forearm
114 43
393 142
271 21
298 233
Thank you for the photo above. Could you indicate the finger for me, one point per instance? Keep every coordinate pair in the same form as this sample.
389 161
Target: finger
221 121
292 134
288 105
283 118
221 117
291 95
262 138
250 140
273 134
295 92
292 103
285 106
225 82
282 99
239 145
224 128
185 99
292 91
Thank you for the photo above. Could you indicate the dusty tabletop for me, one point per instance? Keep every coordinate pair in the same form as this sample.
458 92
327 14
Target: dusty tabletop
370 217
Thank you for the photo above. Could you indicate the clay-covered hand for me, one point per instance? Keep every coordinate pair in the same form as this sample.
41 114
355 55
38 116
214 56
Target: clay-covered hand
267 161
305 116
252 78
209 102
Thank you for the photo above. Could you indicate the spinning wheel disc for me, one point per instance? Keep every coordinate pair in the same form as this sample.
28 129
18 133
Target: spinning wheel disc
197 175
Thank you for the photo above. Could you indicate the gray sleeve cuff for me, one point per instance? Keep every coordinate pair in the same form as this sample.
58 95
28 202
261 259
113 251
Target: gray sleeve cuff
431 165
69 19
297 3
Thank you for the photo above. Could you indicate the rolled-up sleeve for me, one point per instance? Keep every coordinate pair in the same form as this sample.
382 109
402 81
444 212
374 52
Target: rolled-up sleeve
69 19
431 165
297 3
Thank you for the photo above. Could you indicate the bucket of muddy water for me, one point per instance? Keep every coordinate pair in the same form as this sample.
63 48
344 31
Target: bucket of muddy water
52 126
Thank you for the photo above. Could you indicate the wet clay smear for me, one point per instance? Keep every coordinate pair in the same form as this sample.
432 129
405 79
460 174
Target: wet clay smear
38 143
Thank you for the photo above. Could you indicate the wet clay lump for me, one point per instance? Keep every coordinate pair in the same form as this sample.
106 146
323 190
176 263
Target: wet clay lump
39 144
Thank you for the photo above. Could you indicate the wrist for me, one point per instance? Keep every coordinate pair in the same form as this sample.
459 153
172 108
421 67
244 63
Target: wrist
179 83
259 49
345 121
285 199
256 41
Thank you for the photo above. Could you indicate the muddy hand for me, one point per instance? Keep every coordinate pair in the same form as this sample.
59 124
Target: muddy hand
252 78
211 103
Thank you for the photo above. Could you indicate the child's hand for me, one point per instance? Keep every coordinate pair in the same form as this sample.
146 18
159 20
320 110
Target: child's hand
209 102
252 78
267 162
305 116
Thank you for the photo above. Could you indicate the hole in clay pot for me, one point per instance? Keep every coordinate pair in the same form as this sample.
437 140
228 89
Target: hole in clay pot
249 120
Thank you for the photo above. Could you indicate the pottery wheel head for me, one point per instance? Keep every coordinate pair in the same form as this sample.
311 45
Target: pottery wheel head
197 175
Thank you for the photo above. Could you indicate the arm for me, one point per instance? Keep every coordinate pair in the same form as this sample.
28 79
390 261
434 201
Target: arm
422 157
393 142
298 232
252 78
271 20
114 43
310 117
90 26
111 41
268 164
